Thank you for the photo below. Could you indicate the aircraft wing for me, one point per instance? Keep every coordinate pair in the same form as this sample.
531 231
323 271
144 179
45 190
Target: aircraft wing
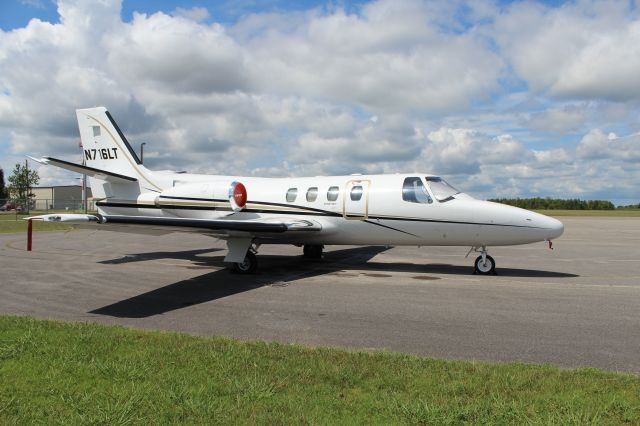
253 226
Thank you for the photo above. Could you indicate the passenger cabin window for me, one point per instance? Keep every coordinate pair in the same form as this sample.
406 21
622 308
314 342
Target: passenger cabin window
292 193
332 193
414 191
356 193
312 194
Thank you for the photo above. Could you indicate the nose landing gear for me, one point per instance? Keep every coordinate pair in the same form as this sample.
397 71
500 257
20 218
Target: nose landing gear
484 264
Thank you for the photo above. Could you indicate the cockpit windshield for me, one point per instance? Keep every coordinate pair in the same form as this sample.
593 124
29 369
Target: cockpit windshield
441 189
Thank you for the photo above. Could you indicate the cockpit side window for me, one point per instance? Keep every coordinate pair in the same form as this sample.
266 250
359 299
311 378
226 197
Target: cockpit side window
441 189
414 191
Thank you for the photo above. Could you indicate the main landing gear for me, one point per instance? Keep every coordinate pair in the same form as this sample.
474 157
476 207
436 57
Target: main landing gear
484 264
312 251
250 263
249 266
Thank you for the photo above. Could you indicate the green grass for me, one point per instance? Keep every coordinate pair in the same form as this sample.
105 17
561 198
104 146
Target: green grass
9 224
53 372
609 213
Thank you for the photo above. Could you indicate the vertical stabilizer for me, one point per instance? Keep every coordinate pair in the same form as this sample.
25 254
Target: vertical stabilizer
106 148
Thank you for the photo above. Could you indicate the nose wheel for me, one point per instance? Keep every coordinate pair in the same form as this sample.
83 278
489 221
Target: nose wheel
486 266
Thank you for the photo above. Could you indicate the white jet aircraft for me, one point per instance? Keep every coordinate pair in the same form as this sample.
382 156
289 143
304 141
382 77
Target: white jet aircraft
415 209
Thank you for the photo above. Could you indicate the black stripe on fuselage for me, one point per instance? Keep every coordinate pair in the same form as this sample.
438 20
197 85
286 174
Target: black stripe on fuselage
264 203
159 206
412 219
310 212
391 227
171 197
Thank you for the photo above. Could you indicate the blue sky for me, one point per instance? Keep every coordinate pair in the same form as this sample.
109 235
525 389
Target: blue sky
17 13
502 98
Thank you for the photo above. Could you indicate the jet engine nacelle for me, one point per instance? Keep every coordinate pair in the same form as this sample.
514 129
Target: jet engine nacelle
205 194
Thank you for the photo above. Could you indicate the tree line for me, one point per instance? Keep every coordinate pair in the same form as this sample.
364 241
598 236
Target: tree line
538 203
22 179
20 182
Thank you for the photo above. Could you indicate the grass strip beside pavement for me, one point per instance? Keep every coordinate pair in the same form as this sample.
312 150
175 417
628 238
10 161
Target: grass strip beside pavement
592 213
10 223
54 372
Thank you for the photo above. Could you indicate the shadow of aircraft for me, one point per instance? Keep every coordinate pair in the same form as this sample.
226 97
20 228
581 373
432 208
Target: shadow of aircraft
274 270
191 255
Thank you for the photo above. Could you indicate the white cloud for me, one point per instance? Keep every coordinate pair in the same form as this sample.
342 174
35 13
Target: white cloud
198 14
586 49
389 58
391 87
566 118
598 145
163 53
464 151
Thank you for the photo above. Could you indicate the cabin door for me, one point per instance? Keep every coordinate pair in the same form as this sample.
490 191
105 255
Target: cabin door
355 200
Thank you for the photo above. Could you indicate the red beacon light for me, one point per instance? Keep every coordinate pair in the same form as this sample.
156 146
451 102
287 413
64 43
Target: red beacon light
237 196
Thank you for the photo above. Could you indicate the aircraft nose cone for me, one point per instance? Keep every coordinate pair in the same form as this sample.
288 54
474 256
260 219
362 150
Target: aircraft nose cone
558 229
554 226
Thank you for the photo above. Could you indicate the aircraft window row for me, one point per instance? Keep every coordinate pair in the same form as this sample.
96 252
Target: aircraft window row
356 193
414 191
292 194
332 194
312 194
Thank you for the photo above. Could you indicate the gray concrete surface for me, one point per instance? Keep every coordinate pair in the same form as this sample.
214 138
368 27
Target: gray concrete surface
577 305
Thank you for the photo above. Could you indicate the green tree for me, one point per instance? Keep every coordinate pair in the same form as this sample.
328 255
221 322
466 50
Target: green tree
22 180
556 203
3 191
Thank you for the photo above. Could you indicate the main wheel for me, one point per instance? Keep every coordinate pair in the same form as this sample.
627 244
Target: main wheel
312 251
248 266
487 267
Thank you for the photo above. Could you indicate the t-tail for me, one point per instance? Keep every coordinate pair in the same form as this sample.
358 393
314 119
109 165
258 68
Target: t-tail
113 168
106 148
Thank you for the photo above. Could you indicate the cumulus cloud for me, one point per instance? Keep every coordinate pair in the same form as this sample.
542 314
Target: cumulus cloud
454 88
598 145
198 14
389 58
586 49
464 151
563 119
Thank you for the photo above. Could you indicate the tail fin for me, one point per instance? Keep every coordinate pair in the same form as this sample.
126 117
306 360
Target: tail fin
104 145
106 148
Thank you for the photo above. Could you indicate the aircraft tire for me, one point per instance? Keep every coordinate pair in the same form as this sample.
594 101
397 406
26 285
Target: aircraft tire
312 251
249 266
488 268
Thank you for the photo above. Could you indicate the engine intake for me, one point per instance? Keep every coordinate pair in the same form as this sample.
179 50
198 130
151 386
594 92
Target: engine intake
204 194
237 196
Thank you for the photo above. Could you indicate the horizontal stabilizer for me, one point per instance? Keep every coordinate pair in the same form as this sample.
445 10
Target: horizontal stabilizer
65 218
86 170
